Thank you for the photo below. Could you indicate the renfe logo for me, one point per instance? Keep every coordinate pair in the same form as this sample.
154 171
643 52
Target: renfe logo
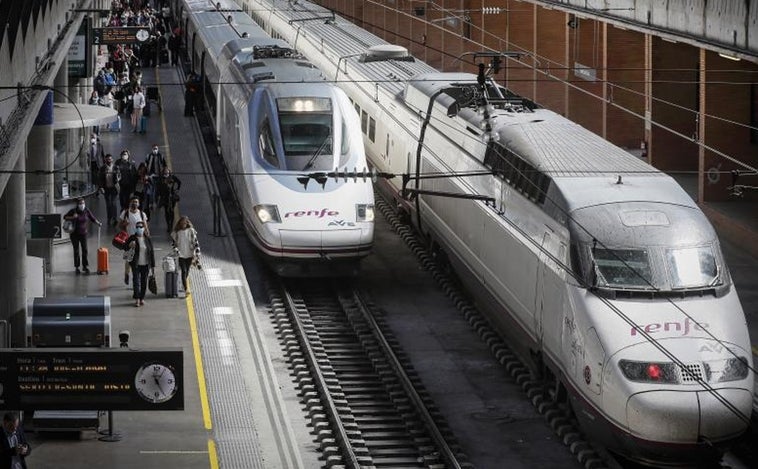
312 213
669 327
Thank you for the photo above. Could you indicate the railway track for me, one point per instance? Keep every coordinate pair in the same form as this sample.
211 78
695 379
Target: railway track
365 408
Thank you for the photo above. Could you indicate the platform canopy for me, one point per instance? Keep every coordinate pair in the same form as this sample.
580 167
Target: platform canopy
68 116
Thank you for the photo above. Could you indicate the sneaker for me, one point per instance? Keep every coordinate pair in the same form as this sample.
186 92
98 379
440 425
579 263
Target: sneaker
126 278
136 304
78 271
142 302
86 271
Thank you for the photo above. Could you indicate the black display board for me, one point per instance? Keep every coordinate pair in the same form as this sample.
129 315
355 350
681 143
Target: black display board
46 225
125 35
91 379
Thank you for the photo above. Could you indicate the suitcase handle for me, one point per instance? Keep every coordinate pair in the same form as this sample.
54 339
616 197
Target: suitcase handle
98 237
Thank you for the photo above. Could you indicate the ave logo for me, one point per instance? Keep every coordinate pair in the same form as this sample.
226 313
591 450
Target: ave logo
341 223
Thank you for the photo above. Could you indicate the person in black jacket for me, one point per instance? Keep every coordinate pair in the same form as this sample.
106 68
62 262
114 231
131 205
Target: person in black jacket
140 246
127 172
13 448
168 195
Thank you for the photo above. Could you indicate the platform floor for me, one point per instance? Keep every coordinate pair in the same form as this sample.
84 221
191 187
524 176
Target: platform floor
235 408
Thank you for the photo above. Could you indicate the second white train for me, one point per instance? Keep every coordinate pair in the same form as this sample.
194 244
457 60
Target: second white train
604 271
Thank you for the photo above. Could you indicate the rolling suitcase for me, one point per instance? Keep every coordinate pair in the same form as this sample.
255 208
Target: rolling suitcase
115 126
103 264
172 284
143 125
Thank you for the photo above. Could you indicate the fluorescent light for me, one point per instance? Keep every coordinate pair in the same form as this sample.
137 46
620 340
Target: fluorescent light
736 59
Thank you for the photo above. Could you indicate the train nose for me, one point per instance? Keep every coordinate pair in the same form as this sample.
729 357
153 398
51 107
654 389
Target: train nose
688 417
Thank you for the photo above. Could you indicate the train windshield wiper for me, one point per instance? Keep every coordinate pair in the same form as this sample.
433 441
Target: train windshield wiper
310 162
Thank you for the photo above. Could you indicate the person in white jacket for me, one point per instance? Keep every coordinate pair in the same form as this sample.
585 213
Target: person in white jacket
184 239
138 103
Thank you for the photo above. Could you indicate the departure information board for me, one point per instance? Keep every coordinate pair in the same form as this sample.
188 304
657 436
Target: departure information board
118 35
91 379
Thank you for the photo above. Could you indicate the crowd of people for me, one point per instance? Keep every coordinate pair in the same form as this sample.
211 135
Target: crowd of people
134 189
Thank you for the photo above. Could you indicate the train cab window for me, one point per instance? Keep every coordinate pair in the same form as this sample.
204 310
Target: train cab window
371 129
623 268
266 144
306 126
692 267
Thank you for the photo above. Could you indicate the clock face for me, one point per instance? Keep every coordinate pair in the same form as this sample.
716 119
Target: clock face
155 383
142 35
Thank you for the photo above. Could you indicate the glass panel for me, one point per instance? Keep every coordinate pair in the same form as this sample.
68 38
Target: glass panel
307 136
692 267
364 122
73 176
266 144
623 268
372 129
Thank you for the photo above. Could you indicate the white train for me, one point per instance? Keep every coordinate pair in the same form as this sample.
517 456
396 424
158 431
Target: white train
603 270
277 122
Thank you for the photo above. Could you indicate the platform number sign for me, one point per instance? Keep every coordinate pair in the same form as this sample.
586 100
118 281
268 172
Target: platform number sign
45 225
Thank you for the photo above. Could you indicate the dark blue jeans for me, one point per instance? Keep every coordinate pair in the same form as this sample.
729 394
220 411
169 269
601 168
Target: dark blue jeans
139 281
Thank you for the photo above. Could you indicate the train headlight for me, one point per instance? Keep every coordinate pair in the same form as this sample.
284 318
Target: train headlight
734 369
364 212
267 213
649 372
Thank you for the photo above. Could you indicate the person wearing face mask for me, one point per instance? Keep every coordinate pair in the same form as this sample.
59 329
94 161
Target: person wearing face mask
128 221
168 195
81 216
127 172
108 181
13 448
95 156
142 263
155 162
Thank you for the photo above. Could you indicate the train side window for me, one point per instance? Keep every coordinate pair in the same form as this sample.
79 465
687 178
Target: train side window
364 122
266 144
357 108
371 129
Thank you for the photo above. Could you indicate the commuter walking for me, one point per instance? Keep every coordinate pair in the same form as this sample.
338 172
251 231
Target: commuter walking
96 153
128 221
184 240
138 104
155 162
144 189
168 195
81 217
108 180
13 448
127 178
142 261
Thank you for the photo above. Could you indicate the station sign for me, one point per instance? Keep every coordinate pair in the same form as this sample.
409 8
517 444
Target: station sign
47 225
91 379
119 35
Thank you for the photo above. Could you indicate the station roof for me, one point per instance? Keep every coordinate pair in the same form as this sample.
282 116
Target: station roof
68 116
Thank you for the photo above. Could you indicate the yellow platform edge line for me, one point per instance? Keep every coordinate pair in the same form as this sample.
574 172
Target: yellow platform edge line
212 456
198 362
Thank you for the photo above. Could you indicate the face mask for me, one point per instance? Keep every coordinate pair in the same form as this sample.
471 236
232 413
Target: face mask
80 207
93 140
124 157
134 205
155 151
140 231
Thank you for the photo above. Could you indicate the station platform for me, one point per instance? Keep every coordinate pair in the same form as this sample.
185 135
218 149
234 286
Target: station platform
235 394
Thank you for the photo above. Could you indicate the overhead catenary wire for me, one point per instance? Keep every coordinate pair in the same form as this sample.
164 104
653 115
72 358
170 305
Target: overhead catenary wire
613 307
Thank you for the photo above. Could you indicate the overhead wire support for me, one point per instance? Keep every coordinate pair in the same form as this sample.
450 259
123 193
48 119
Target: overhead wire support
332 18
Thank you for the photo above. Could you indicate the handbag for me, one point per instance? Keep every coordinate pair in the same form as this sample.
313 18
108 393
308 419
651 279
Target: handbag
68 226
151 285
129 254
119 241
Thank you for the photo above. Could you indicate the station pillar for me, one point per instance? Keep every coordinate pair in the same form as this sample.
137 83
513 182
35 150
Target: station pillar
39 158
13 259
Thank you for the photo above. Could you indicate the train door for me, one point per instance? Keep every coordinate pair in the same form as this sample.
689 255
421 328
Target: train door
548 298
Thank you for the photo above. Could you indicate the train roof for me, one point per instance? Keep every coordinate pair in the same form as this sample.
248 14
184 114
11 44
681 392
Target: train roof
575 158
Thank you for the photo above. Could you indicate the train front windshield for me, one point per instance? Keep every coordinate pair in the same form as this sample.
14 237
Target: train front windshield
307 133
654 267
